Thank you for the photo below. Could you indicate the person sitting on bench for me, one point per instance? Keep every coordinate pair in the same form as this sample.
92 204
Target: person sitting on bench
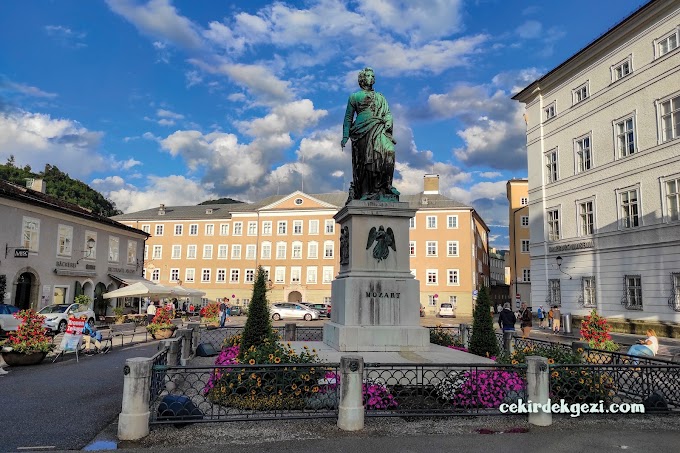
91 334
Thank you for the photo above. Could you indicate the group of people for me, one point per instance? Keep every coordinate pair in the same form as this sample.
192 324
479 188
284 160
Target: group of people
507 319
225 312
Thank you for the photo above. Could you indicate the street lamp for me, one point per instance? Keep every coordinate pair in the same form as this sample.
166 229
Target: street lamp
87 253
559 266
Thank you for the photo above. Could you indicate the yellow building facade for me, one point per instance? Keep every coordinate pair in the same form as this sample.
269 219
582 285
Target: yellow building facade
217 248
519 260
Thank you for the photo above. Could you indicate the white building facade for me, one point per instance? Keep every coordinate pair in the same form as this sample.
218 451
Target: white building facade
603 147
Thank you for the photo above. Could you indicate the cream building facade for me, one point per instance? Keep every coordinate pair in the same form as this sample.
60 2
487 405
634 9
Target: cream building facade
518 259
217 248
604 172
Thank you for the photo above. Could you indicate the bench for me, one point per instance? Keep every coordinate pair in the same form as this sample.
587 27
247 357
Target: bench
123 330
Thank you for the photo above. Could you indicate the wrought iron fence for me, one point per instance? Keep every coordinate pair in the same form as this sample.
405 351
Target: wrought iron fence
309 334
522 343
244 392
217 336
397 390
656 387
159 363
596 356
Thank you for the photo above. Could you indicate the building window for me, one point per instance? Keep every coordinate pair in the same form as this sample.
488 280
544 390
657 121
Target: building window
583 154
431 222
313 227
224 229
327 274
452 221
234 276
586 216
412 248
524 220
633 297
524 201
581 93
622 69
672 187
554 292
193 229
207 252
266 228
431 276
179 229
431 300
625 136
311 275
189 275
451 248
131 252
114 249
674 301
30 235
412 223
551 168
553 225
297 226
146 252
549 112
210 229
330 226
159 230
146 228
157 252
525 245
453 300
629 208
266 250
221 276
236 252
266 269
156 275
431 247
328 249
297 250
174 275
191 252
238 229
588 291
280 275
313 250
252 228
670 119
281 251
298 201
222 252
65 240
176 252
251 252
667 43
526 275
282 228
452 277
250 275
295 275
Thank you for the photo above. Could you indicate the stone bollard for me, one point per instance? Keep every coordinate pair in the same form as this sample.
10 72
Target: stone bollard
509 341
464 337
351 404
289 331
185 353
172 346
196 335
538 390
133 421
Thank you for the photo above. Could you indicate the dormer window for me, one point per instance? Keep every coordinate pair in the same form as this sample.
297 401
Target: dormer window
209 211
298 201
161 210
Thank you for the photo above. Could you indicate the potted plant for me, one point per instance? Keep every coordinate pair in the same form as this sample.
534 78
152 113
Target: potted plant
211 314
161 326
29 344
595 331
82 299
118 313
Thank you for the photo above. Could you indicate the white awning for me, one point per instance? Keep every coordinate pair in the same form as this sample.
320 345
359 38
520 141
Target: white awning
140 289
128 279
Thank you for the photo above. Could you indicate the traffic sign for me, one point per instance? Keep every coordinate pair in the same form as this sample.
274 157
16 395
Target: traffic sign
475 292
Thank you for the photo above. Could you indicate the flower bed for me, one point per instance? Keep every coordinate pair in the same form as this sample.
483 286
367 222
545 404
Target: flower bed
30 337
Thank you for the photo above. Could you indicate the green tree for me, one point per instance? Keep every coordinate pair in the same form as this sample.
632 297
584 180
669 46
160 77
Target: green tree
258 325
483 341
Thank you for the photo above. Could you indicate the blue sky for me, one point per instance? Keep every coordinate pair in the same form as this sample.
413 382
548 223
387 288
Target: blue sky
180 101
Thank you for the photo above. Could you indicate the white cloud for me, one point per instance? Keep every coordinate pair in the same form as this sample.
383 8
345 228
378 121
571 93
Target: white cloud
27 90
489 174
530 29
224 38
162 113
193 78
159 19
291 117
166 122
126 164
66 36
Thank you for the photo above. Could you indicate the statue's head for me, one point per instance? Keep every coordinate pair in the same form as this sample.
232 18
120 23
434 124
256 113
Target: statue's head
366 78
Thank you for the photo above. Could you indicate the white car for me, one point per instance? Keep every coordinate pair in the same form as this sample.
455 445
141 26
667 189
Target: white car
7 320
56 315
292 310
446 310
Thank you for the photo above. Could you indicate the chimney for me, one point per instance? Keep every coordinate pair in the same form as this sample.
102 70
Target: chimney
161 209
431 184
36 184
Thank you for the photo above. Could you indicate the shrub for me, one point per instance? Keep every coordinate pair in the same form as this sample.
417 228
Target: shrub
579 385
258 326
483 340
211 312
443 337
30 336
595 330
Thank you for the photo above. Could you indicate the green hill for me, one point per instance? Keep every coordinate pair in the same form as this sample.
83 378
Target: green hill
60 185
221 201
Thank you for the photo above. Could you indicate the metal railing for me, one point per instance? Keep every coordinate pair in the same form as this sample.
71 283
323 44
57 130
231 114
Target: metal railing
159 365
596 356
244 392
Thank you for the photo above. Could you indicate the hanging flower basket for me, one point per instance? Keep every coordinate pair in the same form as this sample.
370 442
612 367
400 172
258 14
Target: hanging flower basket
20 359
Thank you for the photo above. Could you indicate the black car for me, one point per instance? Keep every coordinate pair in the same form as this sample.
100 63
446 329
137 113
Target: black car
323 309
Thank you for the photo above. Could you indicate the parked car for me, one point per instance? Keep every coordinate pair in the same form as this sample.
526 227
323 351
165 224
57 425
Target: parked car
323 309
446 310
7 320
56 315
422 311
292 310
236 310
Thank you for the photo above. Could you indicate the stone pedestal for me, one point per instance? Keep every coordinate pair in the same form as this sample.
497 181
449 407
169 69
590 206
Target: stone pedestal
376 302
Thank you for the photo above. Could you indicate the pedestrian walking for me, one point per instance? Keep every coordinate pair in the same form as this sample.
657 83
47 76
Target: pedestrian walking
556 319
541 316
223 311
526 320
550 318
507 319
150 311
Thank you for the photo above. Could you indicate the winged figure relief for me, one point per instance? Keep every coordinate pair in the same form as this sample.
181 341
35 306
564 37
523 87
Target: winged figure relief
384 241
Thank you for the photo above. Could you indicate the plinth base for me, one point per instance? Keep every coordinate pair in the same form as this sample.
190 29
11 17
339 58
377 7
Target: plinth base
376 338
